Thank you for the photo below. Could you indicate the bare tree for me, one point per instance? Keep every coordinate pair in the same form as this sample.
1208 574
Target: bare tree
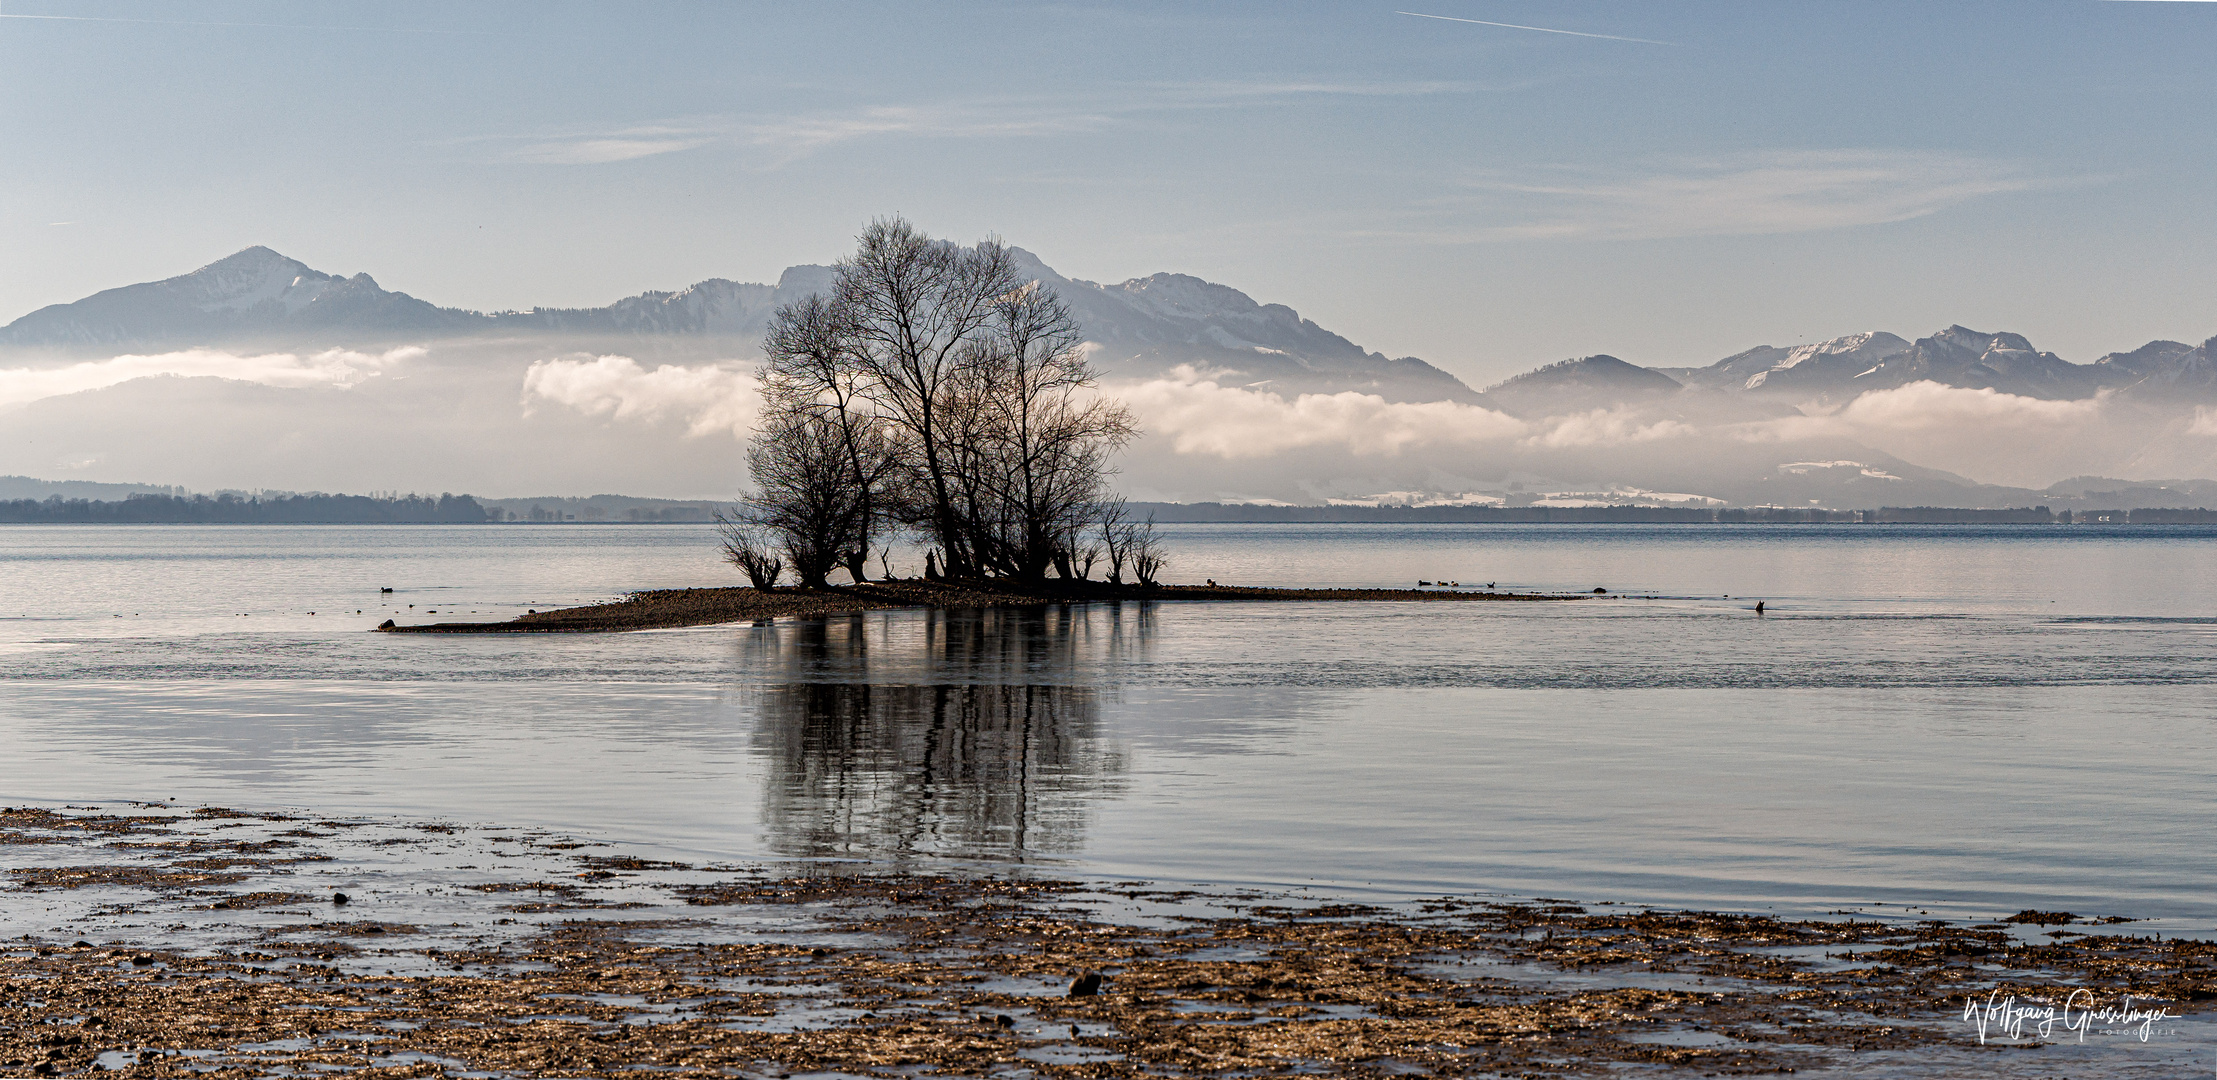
805 495
909 312
1053 443
1080 557
809 373
1148 557
935 390
747 548
1116 537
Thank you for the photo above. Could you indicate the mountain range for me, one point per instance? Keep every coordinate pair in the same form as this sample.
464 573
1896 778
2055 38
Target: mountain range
259 370
1844 367
1830 373
260 298
1143 326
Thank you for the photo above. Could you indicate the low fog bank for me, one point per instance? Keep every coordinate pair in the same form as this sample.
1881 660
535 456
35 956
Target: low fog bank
522 417
438 417
1922 443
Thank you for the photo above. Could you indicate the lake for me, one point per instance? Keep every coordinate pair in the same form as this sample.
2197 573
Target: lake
1955 719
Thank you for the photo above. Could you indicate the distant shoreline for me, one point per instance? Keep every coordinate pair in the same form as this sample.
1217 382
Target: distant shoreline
663 609
467 510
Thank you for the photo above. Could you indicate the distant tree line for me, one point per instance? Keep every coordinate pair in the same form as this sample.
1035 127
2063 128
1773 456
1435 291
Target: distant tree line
934 392
1670 515
590 514
243 510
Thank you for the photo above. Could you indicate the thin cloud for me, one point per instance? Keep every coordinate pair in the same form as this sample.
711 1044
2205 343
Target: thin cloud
779 140
801 135
601 151
337 368
1536 29
603 145
1742 195
1224 92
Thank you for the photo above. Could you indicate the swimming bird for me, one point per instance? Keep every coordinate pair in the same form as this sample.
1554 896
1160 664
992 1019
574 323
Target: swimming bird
1758 607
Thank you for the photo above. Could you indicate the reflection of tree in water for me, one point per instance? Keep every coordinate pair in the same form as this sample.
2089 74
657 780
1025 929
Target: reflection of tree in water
990 753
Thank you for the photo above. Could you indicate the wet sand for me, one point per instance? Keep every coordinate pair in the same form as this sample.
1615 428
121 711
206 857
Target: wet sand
660 609
166 941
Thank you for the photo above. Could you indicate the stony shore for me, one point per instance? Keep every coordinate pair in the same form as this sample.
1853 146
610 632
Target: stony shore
215 943
665 608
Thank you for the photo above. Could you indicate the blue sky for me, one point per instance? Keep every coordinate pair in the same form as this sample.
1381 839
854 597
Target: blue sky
1485 197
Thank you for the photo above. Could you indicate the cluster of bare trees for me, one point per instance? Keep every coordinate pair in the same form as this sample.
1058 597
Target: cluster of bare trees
934 392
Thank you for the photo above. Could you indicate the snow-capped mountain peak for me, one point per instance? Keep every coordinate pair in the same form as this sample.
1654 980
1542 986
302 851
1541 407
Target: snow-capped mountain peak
1797 368
1182 296
254 276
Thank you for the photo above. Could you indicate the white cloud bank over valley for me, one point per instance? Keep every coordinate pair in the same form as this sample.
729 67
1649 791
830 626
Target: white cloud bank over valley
340 368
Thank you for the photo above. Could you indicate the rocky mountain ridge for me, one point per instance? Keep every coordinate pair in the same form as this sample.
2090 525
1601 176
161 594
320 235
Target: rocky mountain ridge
1835 371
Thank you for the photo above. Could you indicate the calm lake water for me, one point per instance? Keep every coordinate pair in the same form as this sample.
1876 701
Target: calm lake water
1967 721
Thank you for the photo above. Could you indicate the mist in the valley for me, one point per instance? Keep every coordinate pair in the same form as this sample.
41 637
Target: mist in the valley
524 416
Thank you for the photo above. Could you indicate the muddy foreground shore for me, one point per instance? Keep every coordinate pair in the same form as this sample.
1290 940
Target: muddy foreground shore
661 609
170 942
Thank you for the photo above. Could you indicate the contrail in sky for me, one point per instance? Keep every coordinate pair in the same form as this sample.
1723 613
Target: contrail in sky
269 26
1541 29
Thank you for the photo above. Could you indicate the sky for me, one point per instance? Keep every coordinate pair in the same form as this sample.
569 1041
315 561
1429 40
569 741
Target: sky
1668 182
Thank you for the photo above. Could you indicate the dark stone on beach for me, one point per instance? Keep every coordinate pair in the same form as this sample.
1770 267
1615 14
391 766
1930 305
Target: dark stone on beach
1086 985
339 898
1599 590
1005 1021
386 625
142 959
